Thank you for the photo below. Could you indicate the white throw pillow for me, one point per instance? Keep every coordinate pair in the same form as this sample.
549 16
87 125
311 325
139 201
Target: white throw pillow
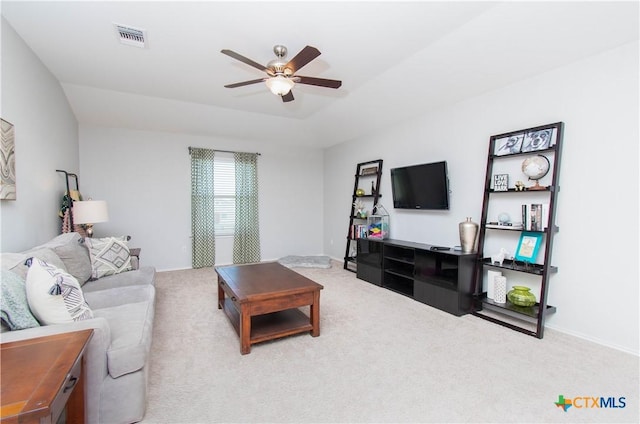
109 255
54 296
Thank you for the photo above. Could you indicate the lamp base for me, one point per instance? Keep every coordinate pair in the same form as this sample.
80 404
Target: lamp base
89 230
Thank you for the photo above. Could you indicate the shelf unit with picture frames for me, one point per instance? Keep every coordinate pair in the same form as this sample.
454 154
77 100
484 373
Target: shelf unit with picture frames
513 241
366 190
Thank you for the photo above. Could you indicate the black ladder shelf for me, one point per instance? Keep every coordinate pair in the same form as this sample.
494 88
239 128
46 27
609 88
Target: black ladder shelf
527 320
367 173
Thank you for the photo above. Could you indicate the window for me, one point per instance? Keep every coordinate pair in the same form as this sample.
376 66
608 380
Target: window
224 194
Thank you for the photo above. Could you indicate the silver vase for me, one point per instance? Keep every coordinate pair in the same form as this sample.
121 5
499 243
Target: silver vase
468 233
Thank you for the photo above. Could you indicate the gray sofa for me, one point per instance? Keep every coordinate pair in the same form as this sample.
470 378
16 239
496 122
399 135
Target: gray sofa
123 305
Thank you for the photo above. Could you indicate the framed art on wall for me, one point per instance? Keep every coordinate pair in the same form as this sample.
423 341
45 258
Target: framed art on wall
7 161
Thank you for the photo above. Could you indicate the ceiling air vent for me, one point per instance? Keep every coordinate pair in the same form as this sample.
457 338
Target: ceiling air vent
131 36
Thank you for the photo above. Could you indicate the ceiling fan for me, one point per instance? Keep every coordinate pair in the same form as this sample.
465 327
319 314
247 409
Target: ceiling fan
282 74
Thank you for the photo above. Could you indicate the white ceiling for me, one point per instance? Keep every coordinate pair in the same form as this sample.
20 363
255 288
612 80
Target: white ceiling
396 60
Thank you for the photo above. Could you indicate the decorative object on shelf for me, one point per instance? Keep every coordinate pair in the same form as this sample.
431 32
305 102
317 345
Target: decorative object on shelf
378 226
539 140
361 212
491 276
499 258
501 182
7 162
519 186
528 246
509 145
359 192
521 296
89 212
500 289
536 167
504 218
369 171
468 234
373 188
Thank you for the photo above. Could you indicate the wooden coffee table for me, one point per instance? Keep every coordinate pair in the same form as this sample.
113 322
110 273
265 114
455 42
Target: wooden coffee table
262 301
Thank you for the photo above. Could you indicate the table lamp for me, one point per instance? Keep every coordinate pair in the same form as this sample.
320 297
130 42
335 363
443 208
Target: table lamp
89 212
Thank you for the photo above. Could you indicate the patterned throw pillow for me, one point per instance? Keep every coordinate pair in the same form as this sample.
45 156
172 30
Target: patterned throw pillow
15 308
109 255
54 296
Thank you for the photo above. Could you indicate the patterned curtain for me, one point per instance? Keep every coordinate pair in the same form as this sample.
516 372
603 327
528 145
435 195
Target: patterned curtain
203 249
246 241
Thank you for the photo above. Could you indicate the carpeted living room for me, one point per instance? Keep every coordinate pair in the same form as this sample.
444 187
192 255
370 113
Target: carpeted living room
127 105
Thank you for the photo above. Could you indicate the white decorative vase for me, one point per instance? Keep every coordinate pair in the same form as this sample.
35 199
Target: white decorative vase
468 233
500 289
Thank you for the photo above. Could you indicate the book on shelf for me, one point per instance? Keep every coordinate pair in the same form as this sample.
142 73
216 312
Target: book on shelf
358 231
514 226
535 216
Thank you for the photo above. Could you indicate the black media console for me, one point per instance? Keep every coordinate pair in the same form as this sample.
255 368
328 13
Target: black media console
440 278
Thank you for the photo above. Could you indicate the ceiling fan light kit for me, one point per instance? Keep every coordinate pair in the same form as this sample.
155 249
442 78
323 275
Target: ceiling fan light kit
282 76
279 85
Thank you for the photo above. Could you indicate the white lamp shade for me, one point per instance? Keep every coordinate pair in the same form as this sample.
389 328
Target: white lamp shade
279 85
90 212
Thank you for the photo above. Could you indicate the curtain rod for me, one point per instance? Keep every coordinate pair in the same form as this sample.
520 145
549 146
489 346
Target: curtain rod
228 151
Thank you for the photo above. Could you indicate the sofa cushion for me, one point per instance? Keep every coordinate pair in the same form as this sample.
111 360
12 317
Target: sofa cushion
75 256
139 277
43 253
54 296
109 255
15 309
131 327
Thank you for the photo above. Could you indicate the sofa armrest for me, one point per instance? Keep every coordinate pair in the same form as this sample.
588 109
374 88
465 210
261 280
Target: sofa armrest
135 257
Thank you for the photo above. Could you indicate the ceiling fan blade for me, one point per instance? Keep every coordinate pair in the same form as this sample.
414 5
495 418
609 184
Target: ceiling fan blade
240 84
305 56
329 83
288 97
246 60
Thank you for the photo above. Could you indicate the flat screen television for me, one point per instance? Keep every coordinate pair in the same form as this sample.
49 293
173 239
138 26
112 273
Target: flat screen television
424 186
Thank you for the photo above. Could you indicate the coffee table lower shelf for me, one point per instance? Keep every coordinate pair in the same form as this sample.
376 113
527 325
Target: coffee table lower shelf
270 326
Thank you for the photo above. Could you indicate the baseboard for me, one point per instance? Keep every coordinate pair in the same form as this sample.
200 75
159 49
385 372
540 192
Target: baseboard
592 339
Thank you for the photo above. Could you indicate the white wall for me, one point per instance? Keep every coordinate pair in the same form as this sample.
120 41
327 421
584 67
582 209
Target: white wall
596 250
46 137
146 179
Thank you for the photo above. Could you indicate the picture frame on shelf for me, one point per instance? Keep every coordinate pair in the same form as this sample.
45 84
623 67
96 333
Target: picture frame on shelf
528 246
508 145
369 171
539 140
501 182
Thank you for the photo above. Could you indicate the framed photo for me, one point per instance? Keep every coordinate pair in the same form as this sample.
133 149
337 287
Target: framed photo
501 182
508 145
369 171
7 162
539 140
528 246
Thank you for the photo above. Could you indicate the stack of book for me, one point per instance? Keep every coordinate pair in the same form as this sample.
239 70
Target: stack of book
358 231
535 216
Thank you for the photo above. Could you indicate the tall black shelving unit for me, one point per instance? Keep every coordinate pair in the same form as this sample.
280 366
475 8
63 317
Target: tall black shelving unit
367 179
506 148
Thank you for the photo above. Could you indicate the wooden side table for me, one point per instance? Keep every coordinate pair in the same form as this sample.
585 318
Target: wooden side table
41 376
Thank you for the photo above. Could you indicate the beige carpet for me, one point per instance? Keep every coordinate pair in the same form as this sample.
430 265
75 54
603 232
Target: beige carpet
381 357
